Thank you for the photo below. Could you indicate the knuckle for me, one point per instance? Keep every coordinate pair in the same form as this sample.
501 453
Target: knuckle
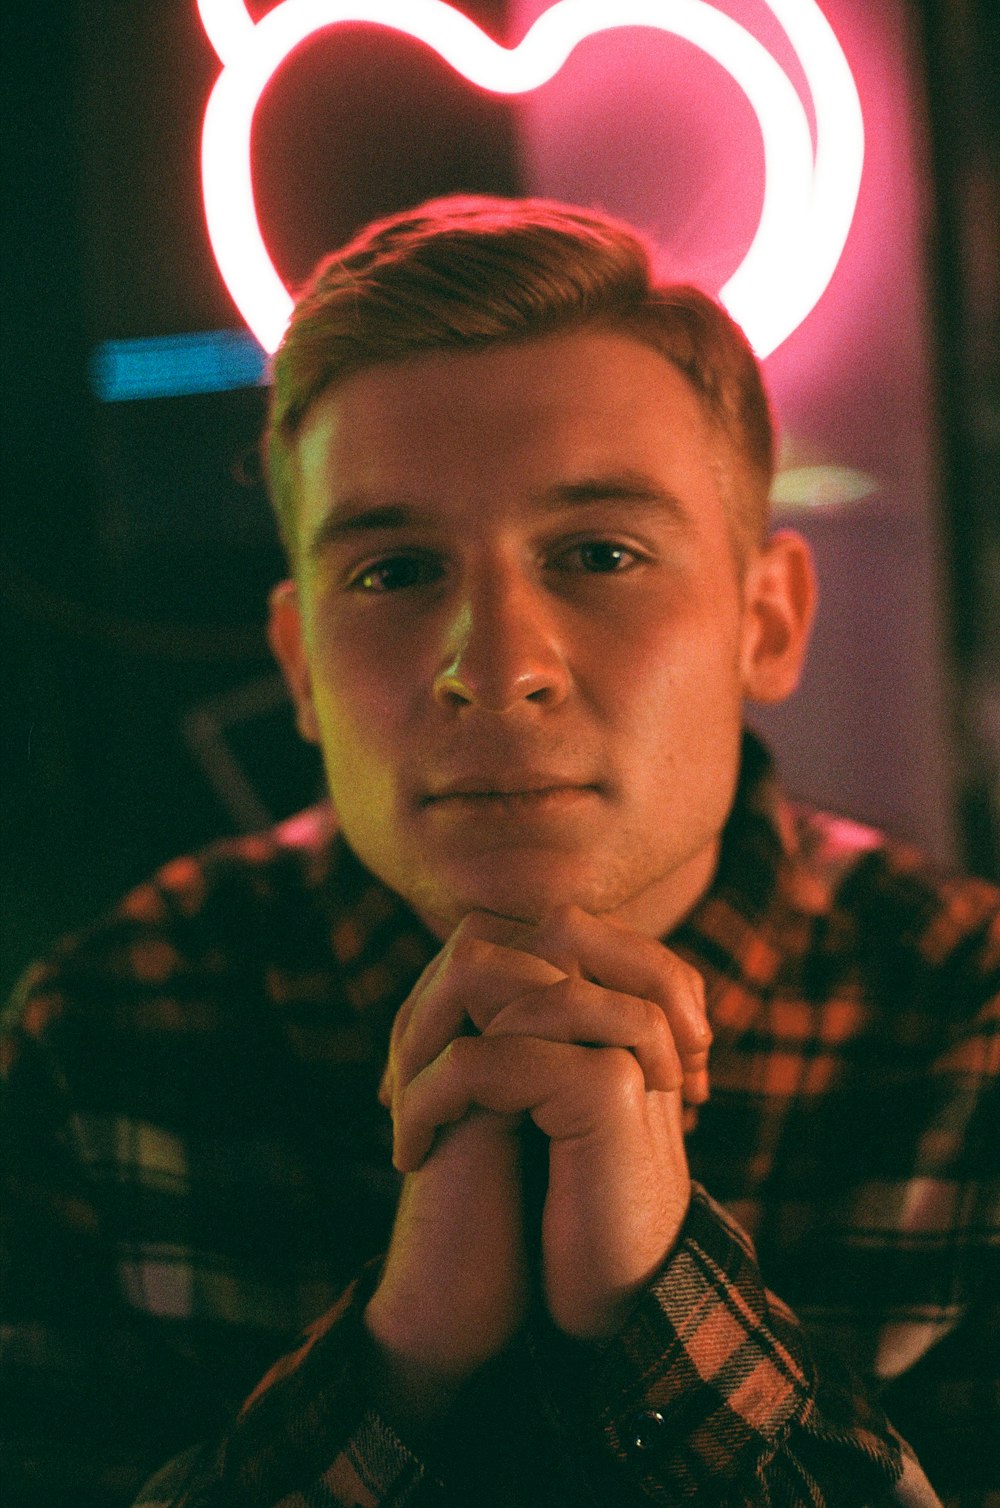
456 1055
473 924
402 1072
622 1079
653 1021
701 1035
569 993
462 1058
566 914
467 948
471 960
562 925
579 1005
401 1107
696 986
488 928
688 977
665 970
686 985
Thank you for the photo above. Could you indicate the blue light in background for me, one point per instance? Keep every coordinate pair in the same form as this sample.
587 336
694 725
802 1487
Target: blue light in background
171 366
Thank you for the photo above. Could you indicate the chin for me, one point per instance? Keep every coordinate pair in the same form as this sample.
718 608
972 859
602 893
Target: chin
524 892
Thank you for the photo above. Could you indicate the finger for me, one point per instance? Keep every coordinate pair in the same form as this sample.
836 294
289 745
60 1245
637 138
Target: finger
575 1010
399 1025
469 982
439 963
527 937
568 1090
613 955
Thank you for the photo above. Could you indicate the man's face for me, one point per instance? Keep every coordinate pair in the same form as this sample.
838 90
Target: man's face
522 639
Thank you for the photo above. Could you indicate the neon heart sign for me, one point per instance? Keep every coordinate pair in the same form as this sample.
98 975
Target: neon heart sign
809 193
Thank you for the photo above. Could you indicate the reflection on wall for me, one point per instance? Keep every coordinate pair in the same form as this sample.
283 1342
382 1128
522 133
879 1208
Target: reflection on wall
658 132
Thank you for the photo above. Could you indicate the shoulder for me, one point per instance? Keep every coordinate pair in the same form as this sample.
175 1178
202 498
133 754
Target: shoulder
922 933
176 942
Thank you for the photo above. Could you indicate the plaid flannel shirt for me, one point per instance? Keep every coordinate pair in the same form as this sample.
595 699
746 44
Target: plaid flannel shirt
198 1169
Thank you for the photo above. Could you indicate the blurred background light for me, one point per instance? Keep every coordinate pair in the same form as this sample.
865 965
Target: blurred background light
172 366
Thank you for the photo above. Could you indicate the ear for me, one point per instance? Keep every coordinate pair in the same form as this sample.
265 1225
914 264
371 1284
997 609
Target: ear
287 641
780 596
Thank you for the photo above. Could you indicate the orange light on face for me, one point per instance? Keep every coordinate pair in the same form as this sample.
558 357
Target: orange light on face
809 192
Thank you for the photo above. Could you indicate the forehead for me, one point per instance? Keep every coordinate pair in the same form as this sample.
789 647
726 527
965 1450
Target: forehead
517 417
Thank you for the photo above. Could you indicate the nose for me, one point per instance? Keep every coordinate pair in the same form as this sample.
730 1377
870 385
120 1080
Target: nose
503 648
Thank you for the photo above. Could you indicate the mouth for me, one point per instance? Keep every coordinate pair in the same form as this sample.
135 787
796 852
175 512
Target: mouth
522 794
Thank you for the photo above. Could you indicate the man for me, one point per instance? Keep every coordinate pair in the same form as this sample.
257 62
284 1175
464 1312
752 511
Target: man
615 1007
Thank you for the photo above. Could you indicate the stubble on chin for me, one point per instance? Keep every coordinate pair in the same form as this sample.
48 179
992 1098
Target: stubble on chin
650 898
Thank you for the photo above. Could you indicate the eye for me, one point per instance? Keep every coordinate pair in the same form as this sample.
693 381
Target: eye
598 557
396 573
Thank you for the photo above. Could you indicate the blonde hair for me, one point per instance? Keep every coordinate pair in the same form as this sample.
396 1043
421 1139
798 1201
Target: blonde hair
469 271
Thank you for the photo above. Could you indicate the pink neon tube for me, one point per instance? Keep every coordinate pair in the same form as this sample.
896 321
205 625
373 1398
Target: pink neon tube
809 197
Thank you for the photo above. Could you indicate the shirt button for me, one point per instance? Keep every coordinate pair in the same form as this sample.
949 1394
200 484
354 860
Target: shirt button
648 1430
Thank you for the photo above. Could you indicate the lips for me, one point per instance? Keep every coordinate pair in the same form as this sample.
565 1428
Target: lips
506 788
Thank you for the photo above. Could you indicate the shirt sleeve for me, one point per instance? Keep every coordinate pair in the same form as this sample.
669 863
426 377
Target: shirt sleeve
307 1435
311 1435
712 1393
709 1394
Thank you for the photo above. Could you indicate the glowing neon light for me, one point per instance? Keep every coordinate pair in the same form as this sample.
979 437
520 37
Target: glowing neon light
809 196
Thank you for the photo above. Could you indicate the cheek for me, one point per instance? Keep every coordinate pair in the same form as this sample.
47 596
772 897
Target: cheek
352 695
354 663
372 722
675 695
663 660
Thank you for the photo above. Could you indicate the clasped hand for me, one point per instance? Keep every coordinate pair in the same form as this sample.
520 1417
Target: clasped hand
600 1037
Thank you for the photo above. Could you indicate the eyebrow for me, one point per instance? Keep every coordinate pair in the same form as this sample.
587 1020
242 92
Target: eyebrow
626 486
353 517
356 515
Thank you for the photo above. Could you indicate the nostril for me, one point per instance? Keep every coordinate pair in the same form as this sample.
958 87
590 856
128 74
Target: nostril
454 695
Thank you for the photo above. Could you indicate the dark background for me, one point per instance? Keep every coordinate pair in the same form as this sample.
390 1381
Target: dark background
141 712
